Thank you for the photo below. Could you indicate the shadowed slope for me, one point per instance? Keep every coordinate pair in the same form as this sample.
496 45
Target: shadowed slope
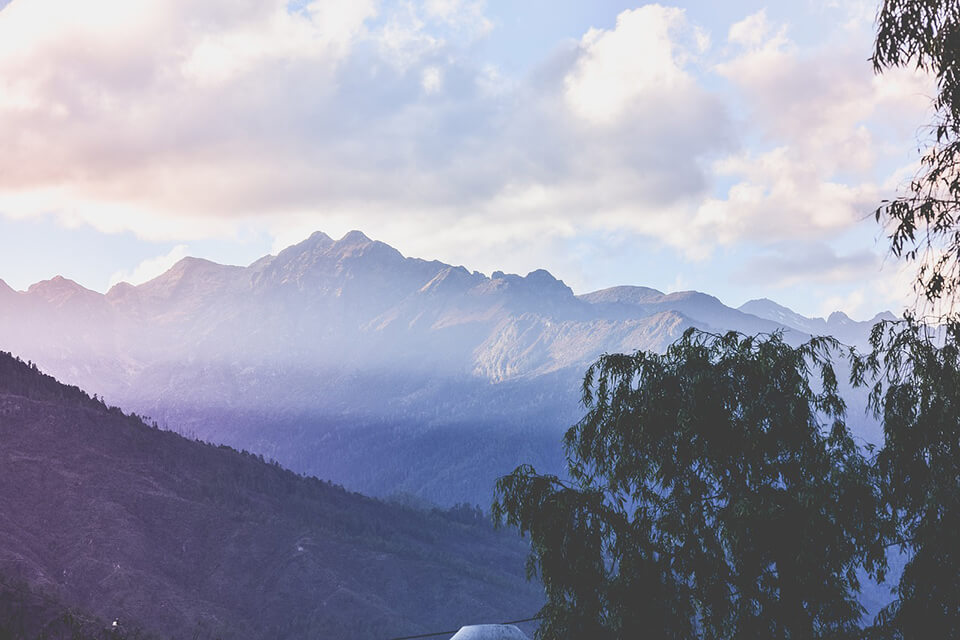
106 514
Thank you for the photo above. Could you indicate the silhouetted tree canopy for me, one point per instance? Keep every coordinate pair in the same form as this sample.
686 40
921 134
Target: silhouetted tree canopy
924 224
914 369
716 492
914 374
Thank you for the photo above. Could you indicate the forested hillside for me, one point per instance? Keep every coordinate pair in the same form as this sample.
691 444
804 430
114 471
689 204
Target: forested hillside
177 538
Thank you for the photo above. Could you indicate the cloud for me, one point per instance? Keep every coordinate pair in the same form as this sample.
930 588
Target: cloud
860 282
466 18
150 268
822 123
642 57
180 121
431 80
889 289
792 264
752 31
852 302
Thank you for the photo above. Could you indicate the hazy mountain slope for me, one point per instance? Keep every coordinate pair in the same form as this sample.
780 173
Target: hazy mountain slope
838 324
101 512
705 309
339 356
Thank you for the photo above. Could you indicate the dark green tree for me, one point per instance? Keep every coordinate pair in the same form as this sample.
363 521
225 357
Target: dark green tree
715 492
915 375
924 223
913 367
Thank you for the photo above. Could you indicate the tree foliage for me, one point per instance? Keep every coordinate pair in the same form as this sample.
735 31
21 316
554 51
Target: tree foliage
913 370
915 391
923 223
716 492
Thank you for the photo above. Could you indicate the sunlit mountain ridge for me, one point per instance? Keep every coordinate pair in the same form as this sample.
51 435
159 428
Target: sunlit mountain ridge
345 359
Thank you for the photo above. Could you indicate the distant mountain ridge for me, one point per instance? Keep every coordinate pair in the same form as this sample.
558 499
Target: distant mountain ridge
838 324
345 359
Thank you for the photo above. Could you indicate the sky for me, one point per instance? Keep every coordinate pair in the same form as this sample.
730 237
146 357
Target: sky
737 148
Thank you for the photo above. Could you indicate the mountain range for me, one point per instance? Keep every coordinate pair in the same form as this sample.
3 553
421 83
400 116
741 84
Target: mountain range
346 360
105 518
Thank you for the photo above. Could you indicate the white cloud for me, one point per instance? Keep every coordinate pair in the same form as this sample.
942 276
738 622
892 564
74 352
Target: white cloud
180 120
642 56
203 117
467 18
797 263
323 33
851 303
752 31
150 268
818 167
782 194
888 288
431 79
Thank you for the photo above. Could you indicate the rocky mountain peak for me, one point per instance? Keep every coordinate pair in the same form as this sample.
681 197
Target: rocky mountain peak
838 318
354 237
883 316
452 280
121 290
536 285
59 289
56 283
319 238
189 268
770 310
623 295
546 282
193 279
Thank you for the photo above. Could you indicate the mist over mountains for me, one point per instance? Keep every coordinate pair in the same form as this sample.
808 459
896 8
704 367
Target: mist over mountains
346 360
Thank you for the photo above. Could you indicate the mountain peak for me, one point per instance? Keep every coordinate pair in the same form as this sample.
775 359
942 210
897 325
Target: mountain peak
190 265
766 302
769 310
58 290
120 290
57 281
545 281
452 279
838 317
317 240
57 285
198 275
356 244
883 316
317 244
623 295
536 287
690 294
541 275
354 237
319 237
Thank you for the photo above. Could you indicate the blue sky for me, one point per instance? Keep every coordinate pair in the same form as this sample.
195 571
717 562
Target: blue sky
736 148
